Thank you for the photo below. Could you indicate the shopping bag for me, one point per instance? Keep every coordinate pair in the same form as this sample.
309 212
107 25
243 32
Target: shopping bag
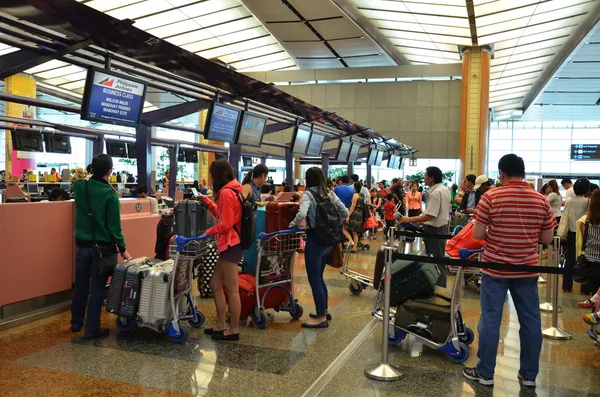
336 257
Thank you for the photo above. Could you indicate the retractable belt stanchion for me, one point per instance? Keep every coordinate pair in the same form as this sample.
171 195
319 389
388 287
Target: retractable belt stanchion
555 332
547 305
385 371
541 279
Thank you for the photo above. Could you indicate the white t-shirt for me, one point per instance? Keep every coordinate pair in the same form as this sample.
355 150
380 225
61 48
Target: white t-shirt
570 193
154 204
438 205
555 203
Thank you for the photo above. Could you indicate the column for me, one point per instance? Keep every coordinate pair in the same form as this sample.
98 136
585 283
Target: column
474 110
173 156
235 156
350 169
369 176
289 169
16 162
143 138
204 158
98 146
325 164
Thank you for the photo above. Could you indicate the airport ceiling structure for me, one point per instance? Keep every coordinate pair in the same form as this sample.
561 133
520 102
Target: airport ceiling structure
532 40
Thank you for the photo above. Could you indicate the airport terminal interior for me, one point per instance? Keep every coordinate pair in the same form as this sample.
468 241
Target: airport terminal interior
386 91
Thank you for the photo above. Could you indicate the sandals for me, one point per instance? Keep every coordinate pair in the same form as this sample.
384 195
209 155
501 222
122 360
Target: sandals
586 304
314 315
226 338
212 331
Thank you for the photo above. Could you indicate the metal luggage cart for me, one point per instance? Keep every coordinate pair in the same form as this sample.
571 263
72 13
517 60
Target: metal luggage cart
278 249
358 281
460 337
181 296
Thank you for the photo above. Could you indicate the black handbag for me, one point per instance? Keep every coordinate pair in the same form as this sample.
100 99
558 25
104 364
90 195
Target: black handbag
104 257
582 262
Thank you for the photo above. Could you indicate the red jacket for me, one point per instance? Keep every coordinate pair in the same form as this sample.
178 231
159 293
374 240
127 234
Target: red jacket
228 212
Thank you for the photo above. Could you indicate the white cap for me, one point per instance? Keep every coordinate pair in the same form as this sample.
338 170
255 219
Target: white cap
481 179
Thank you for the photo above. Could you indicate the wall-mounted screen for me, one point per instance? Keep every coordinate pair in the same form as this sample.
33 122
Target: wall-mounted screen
392 161
111 97
252 129
191 156
315 146
222 123
300 140
343 150
379 158
372 157
400 162
116 149
57 143
27 141
354 152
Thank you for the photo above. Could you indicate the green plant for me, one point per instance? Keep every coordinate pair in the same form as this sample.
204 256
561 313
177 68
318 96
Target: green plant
419 177
449 176
336 172
163 165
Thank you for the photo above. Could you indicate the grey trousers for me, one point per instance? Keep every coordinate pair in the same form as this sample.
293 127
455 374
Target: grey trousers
437 248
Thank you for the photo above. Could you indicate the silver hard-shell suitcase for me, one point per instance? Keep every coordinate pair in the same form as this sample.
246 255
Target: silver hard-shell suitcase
155 305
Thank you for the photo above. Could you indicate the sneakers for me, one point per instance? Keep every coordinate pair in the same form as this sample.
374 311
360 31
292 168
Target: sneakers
591 318
526 382
472 374
586 304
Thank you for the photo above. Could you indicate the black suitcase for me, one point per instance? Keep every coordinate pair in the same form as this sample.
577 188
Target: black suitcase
124 290
164 231
412 280
190 218
427 317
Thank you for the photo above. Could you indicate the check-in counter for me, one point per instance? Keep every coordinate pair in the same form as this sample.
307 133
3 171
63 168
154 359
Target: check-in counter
38 247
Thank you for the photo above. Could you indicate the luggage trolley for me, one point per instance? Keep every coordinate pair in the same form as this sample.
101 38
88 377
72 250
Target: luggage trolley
358 281
460 336
281 246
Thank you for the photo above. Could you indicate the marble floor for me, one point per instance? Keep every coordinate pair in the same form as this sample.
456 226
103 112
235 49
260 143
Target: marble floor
44 358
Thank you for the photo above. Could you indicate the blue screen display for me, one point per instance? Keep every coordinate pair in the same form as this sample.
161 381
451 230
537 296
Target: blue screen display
111 98
223 123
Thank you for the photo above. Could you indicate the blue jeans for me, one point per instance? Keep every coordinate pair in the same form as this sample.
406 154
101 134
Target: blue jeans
315 258
86 277
524 292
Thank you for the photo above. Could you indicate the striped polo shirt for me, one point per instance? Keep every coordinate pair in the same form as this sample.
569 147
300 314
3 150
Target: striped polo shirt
515 215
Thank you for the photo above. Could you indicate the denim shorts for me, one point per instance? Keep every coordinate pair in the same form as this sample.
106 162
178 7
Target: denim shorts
232 254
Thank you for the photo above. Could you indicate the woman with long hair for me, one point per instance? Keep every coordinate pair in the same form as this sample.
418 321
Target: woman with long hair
592 252
253 181
316 254
554 198
228 214
355 221
414 200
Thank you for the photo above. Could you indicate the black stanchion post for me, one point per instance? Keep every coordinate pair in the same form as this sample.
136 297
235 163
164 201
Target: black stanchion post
555 332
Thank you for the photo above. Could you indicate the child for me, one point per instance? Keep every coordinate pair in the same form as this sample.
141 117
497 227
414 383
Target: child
389 209
295 198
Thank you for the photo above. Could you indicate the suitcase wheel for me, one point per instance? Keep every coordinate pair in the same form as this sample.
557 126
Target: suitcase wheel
125 324
397 338
298 310
260 319
355 287
462 355
468 337
198 321
183 334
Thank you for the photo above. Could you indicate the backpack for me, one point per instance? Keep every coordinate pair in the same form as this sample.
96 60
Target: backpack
366 214
248 231
327 230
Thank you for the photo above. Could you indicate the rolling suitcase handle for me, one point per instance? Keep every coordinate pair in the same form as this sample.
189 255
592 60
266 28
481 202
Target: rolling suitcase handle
264 236
182 241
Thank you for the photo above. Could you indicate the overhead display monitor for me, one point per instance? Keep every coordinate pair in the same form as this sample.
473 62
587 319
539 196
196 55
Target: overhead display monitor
113 98
191 156
252 129
57 143
181 156
590 152
379 158
343 150
354 152
372 157
116 149
392 161
300 140
131 150
315 146
222 123
27 141
400 162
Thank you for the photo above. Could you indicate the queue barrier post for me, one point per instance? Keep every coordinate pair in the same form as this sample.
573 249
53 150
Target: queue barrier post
555 332
384 371
546 306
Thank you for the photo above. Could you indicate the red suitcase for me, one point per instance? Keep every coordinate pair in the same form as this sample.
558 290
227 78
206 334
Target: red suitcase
275 298
279 216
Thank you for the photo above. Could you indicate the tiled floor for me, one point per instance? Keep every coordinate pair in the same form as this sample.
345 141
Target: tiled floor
44 359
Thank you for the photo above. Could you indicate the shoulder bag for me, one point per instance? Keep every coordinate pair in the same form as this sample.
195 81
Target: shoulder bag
336 257
582 262
563 226
104 258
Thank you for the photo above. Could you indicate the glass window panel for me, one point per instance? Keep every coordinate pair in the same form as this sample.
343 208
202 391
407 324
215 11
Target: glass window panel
558 133
222 16
585 124
235 26
579 135
188 38
565 125
501 134
557 144
532 166
247 45
558 155
584 167
244 35
528 134
139 10
161 19
47 66
555 166
504 145
175 28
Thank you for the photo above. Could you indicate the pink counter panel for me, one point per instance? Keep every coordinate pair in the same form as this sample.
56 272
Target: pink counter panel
38 249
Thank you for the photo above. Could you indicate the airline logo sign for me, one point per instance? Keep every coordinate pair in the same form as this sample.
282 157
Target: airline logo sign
117 83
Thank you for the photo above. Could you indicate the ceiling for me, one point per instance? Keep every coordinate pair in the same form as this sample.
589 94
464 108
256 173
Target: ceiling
573 93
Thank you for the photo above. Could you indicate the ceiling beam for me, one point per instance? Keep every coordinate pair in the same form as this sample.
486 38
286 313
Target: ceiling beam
573 42
371 30
472 24
174 112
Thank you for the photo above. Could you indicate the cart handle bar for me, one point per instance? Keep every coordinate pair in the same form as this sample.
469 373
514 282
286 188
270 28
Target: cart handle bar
263 236
181 241
465 253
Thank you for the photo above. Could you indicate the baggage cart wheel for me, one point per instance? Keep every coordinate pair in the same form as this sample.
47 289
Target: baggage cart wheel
355 287
397 338
298 310
463 355
260 319
125 324
366 247
468 337
183 334
198 321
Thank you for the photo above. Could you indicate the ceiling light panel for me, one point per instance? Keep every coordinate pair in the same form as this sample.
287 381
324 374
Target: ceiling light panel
174 29
139 10
107 5
492 7
416 27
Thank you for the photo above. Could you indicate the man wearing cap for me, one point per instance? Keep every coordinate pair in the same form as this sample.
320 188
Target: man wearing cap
477 187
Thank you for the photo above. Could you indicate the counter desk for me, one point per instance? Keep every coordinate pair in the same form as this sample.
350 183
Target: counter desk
38 248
